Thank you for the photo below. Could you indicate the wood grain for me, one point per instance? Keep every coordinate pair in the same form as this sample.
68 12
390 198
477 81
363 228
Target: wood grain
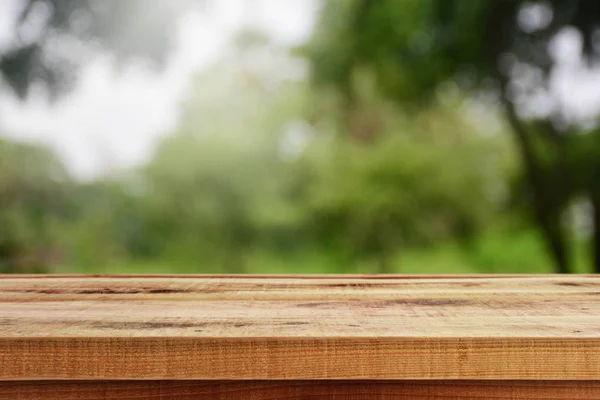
299 390
300 327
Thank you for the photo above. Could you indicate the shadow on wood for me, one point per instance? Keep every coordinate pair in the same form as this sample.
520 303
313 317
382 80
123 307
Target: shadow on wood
297 390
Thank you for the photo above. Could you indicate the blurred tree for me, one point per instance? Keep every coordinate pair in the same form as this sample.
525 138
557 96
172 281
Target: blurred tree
261 164
213 190
43 218
104 224
34 188
424 178
496 50
245 170
53 38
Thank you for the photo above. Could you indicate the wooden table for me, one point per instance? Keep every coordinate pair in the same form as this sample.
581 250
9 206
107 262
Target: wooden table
299 337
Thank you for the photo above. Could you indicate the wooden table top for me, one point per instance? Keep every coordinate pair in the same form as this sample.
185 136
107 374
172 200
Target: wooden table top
300 327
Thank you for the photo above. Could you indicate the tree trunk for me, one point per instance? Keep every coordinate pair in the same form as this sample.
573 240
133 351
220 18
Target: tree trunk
556 242
595 199
547 213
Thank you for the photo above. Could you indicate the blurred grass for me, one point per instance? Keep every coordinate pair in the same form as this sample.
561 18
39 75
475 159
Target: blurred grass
491 253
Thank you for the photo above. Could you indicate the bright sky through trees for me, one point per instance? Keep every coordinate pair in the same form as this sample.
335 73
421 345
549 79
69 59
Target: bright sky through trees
111 121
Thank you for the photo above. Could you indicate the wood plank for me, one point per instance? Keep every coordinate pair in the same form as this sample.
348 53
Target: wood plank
300 327
300 390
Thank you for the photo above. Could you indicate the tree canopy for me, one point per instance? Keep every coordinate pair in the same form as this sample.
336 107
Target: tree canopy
53 38
378 156
34 188
499 51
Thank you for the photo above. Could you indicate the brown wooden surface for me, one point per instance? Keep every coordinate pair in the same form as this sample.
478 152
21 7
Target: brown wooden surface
299 390
310 327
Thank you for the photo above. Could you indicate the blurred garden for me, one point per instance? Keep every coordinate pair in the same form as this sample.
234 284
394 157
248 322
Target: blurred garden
420 136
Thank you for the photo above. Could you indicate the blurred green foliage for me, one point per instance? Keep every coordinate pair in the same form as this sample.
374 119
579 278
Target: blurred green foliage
499 52
379 164
261 180
34 189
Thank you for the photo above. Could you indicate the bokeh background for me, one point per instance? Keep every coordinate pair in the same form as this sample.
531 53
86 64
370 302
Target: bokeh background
299 136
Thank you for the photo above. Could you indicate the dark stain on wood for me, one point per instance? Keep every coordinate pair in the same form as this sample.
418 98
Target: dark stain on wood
354 285
471 284
429 302
40 291
314 305
573 284
107 291
101 291
126 325
167 291
577 284
387 303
